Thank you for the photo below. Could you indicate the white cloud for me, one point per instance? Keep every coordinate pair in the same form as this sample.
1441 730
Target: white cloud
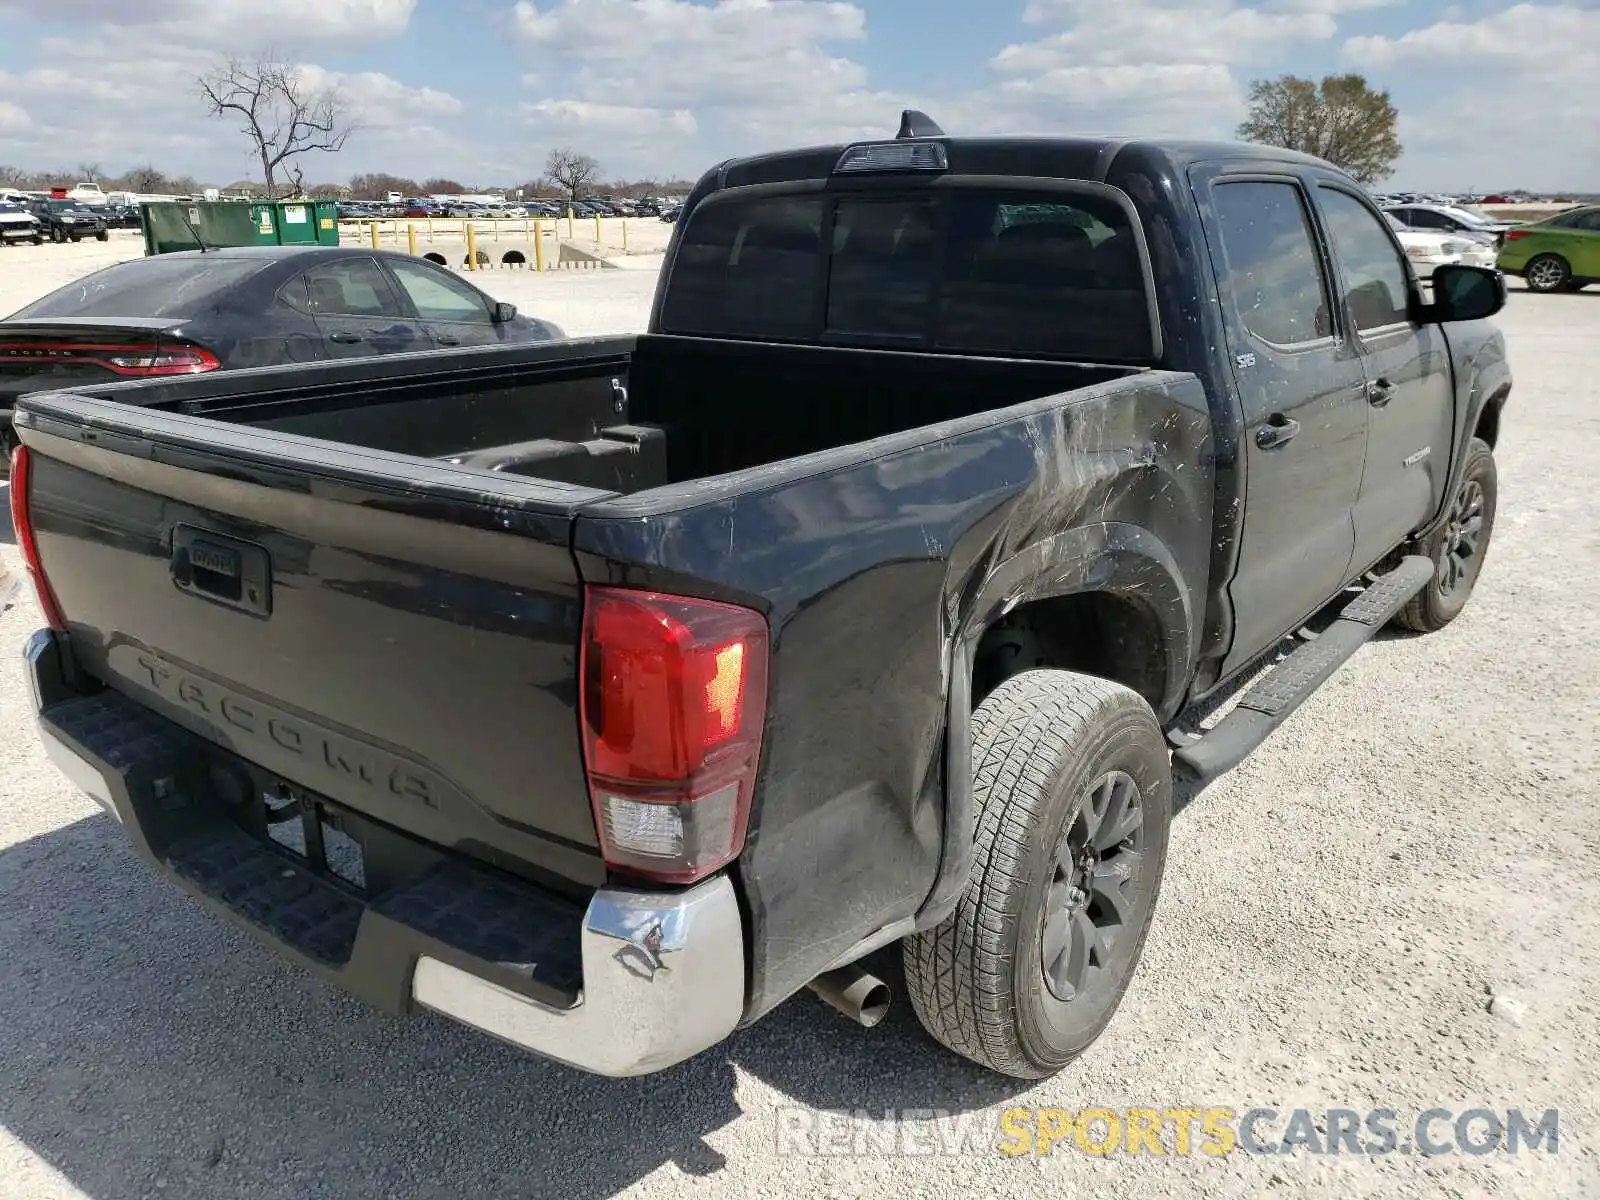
1524 35
555 115
14 117
741 74
1144 66
1211 31
1336 6
619 131
100 105
380 101
1512 97
228 23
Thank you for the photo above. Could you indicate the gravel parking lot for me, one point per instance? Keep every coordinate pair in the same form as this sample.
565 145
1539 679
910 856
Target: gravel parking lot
1337 917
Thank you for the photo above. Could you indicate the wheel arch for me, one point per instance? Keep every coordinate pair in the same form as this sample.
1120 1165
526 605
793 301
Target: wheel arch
1079 585
1105 599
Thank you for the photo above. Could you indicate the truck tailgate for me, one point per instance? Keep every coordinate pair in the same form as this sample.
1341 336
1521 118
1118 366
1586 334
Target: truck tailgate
394 635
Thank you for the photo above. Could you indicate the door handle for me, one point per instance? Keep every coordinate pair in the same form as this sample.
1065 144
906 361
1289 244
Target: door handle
343 337
1379 392
447 339
1278 430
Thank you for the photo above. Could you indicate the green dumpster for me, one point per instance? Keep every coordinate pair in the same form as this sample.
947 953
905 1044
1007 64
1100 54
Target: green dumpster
170 226
306 222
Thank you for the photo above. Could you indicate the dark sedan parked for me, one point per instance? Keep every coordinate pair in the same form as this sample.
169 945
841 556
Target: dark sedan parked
197 311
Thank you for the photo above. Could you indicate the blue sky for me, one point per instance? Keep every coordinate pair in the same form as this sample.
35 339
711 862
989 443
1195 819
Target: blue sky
1491 95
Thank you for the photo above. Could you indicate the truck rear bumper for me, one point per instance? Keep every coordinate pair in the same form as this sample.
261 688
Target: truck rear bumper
635 982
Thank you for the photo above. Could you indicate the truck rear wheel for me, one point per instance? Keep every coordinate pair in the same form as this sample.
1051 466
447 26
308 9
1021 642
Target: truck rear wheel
1072 786
1458 546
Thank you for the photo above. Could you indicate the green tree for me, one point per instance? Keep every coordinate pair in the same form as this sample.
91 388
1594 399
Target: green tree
1341 119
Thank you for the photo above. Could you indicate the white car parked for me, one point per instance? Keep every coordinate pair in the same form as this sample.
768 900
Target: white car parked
17 224
1428 250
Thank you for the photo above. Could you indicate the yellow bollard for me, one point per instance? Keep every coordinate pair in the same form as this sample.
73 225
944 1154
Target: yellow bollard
569 220
411 238
538 245
624 235
597 229
374 235
524 228
430 229
497 229
472 247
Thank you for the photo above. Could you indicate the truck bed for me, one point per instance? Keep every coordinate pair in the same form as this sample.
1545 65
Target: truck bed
622 415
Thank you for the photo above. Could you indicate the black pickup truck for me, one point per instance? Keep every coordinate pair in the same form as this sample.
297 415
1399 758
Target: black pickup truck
602 694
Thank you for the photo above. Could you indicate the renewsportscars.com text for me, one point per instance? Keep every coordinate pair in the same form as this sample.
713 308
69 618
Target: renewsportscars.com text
1177 1131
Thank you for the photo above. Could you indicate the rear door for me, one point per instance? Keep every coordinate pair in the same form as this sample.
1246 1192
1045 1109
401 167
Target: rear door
1300 386
1584 236
454 312
356 309
1409 387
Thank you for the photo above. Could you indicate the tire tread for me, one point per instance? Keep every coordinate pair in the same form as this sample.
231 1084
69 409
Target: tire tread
958 975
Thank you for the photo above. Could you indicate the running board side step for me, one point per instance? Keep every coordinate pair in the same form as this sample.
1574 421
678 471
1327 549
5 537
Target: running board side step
1288 684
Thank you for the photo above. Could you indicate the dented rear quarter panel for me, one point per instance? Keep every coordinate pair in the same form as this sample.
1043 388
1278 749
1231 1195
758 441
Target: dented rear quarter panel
878 565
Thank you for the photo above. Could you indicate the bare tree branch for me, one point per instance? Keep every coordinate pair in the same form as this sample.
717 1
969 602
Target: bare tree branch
146 180
572 171
282 115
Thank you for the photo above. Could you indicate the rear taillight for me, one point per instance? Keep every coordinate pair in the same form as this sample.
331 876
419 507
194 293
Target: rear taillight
22 526
183 360
121 358
1512 235
673 697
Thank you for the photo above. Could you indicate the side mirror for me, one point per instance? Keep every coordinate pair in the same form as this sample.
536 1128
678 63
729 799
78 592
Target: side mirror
1466 293
504 313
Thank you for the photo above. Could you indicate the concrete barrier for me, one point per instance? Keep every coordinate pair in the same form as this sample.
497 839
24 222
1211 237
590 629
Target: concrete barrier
573 255
1522 212
533 243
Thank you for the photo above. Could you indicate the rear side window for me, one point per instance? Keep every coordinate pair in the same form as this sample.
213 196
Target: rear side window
749 269
1273 272
178 286
982 271
350 288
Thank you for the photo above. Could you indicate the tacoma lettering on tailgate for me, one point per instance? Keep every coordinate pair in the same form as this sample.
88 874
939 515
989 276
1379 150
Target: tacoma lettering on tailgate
284 742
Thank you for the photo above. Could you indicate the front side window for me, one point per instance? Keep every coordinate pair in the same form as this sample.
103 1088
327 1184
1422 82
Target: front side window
964 269
1273 273
1377 286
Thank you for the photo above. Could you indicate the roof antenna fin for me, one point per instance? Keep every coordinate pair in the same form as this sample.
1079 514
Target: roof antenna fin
914 124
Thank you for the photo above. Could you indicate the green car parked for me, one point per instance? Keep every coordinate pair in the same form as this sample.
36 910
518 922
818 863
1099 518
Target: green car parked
1558 254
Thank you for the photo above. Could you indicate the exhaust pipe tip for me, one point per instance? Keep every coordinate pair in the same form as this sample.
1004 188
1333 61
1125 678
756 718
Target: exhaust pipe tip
862 997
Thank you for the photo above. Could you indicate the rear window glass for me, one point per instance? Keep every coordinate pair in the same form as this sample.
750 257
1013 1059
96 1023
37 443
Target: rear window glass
970 270
147 287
